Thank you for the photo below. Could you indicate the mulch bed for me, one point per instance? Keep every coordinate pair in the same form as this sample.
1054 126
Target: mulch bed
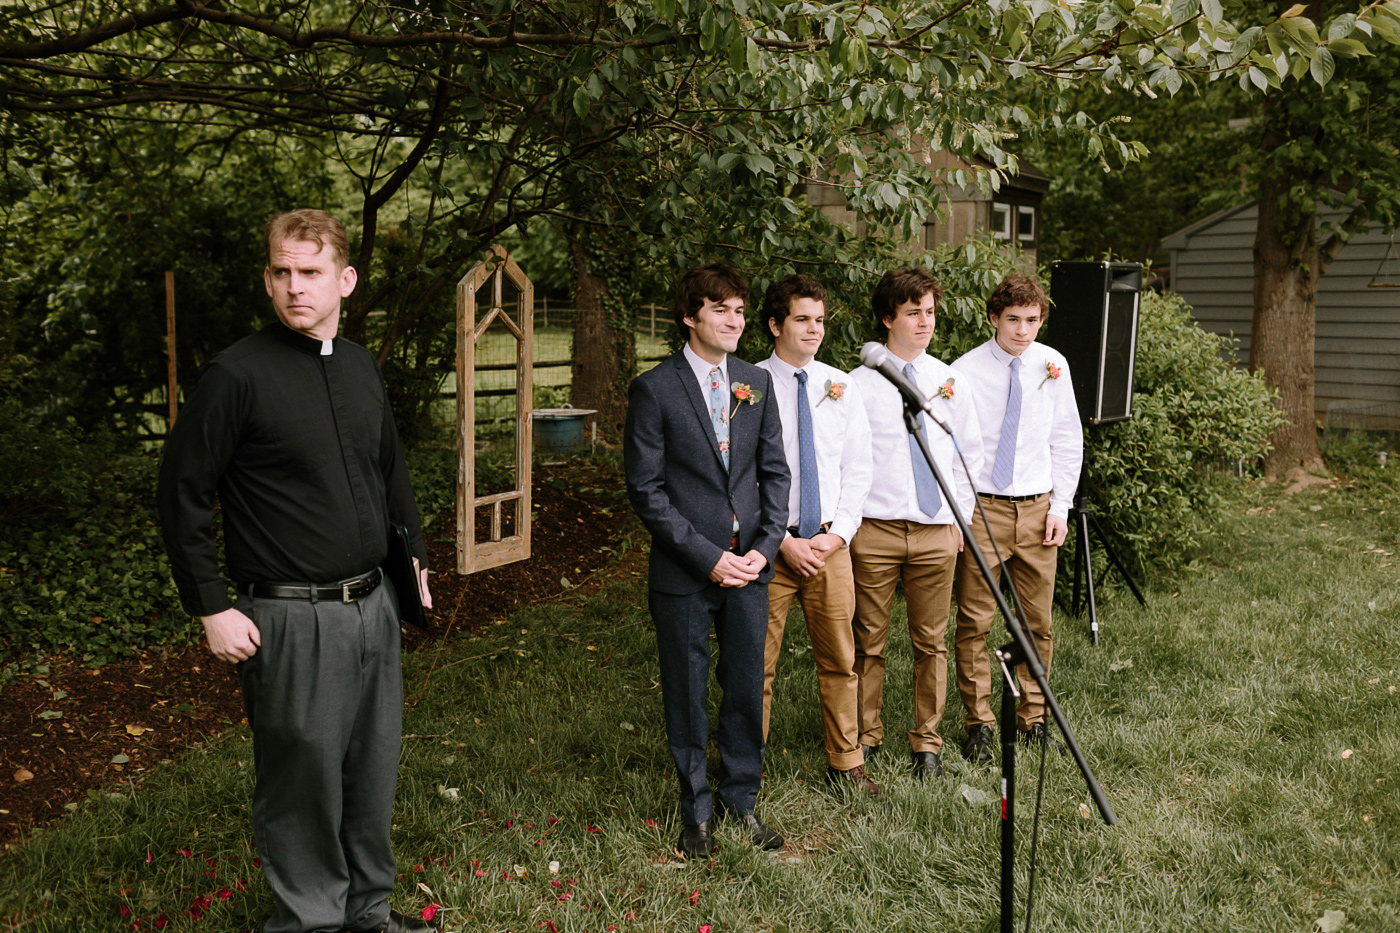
66 730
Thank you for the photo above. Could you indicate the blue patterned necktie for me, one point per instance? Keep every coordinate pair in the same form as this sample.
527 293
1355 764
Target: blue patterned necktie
1005 466
925 486
719 413
810 493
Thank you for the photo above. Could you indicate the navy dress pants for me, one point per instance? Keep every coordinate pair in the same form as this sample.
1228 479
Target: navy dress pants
739 619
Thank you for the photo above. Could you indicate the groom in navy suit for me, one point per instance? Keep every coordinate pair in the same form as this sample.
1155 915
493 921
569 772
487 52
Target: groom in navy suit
706 473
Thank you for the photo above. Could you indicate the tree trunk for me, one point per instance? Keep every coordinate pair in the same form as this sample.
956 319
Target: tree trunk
605 348
1287 266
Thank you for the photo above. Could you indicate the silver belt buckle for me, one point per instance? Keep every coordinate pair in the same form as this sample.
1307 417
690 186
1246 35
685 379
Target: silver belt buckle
345 593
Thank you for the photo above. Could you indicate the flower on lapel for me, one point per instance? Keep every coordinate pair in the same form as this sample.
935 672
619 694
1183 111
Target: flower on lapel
743 392
834 390
946 389
1051 372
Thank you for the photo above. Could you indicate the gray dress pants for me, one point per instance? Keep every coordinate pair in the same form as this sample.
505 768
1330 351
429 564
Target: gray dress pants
324 697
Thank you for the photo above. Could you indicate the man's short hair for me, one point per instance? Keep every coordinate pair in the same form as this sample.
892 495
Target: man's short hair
777 302
310 226
1018 291
898 286
716 282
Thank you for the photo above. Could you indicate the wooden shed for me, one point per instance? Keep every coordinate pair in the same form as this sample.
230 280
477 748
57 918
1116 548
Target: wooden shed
1357 353
1011 214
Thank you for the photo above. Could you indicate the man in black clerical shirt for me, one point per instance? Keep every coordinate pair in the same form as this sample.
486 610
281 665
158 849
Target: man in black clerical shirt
291 430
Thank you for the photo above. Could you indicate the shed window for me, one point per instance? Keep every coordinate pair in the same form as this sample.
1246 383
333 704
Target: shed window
1025 224
1001 221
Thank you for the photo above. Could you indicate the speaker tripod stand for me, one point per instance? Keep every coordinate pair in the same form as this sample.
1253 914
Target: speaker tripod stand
1083 517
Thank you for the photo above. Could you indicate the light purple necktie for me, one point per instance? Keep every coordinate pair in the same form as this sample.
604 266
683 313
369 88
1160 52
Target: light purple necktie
1005 466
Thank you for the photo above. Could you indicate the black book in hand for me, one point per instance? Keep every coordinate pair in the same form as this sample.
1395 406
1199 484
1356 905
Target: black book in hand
402 569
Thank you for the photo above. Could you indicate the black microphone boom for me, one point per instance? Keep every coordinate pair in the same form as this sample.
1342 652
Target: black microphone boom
877 356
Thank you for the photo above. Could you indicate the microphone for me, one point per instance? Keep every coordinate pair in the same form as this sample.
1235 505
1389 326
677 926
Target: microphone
877 356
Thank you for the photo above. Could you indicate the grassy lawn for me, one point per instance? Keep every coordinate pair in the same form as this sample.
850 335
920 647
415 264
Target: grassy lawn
1245 726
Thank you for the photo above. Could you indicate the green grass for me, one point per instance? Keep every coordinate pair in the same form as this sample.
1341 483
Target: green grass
1217 719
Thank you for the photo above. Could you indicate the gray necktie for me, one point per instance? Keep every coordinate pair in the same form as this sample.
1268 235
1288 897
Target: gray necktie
925 486
1005 466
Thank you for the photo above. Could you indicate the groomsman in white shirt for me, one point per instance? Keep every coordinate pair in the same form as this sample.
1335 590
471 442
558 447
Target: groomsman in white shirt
908 531
826 437
1034 447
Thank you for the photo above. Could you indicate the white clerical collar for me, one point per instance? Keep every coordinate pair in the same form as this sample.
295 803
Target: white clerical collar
327 347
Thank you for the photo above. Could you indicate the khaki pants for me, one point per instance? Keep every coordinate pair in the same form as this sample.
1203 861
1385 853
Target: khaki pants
1019 529
924 556
828 601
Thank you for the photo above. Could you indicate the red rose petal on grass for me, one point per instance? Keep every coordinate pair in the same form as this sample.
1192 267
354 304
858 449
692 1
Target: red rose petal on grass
417 867
186 853
509 824
505 875
479 873
124 911
554 884
257 863
705 928
651 822
695 897
593 829
430 911
225 894
553 820
161 922
149 857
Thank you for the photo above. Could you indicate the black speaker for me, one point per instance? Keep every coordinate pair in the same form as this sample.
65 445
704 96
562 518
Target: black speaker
1094 323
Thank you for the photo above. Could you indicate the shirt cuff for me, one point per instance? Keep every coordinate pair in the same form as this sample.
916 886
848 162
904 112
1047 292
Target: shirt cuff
845 528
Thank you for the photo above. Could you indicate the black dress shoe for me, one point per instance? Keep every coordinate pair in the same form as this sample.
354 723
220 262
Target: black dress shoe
765 837
977 747
1038 737
398 923
927 764
855 778
870 751
697 840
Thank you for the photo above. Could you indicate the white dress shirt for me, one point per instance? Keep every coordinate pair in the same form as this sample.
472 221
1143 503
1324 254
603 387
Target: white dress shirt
1049 438
702 369
892 494
841 436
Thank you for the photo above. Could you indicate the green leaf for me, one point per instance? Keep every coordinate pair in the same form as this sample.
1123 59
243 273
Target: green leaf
758 163
1257 76
1182 10
581 101
754 57
120 759
1212 10
707 30
1322 67
1348 48
1342 26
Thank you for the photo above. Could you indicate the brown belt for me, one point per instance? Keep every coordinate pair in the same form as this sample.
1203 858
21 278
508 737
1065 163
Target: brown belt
992 495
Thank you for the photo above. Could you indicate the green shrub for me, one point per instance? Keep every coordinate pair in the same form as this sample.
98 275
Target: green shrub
82 566
1158 477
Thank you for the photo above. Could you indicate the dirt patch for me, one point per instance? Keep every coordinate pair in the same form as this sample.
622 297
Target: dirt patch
66 730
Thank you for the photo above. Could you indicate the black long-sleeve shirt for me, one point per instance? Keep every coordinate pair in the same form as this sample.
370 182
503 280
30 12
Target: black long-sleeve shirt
303 454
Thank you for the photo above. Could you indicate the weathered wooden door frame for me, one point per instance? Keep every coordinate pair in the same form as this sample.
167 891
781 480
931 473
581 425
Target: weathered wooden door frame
473 555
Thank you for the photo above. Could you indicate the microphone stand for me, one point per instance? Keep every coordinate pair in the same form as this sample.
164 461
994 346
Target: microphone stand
1019 651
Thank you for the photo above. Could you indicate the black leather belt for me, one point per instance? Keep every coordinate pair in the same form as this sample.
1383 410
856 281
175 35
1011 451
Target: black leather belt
824 529
992 495
347 592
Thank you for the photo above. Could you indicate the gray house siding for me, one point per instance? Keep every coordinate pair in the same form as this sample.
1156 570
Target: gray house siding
1357 353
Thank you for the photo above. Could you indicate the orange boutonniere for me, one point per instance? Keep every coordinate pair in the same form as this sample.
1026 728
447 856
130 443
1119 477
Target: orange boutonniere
1051 372
833 390
946 389
744 393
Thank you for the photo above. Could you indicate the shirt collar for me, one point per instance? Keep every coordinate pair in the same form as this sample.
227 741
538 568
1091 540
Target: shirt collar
783 369
300 341
1003 358
702 368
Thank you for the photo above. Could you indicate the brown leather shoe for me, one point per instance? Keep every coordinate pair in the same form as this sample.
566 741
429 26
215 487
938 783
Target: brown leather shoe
855 777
